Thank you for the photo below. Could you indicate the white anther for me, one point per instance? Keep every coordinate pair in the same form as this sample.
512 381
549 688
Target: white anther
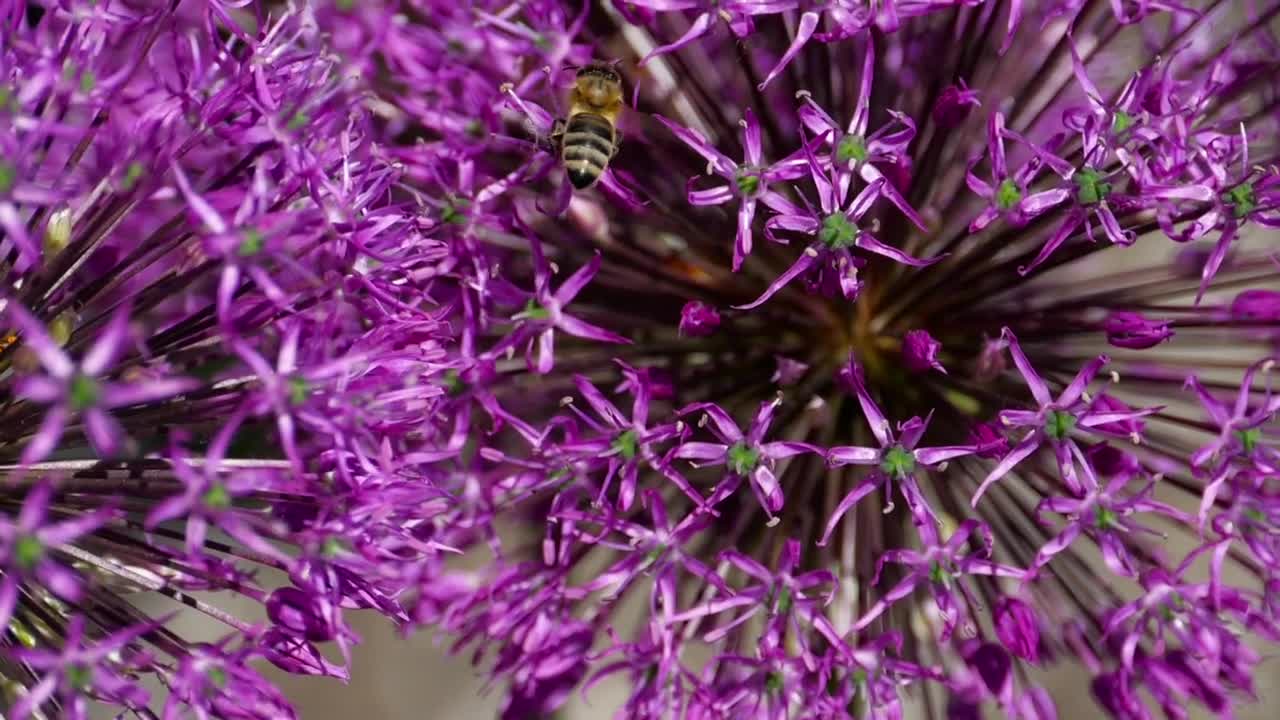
1268 365
1115 377
773 521
942 466
555 269
811 252
1135 438
742 122
702 421
506 88
803 94
566 400
1087 397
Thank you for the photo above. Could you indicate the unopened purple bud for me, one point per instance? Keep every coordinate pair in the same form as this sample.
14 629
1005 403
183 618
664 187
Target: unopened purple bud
1017 628
307 615
954 105
789 371
1256 305
698 319
1131 330
993 666
992 359
989 440
920 352
1109 460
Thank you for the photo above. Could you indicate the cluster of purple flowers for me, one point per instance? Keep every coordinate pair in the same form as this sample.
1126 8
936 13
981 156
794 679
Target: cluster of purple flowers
906 347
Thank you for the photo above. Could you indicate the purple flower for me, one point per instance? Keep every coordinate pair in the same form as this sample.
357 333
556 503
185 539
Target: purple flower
749 181
71 389
743 454
698 319
954 105
920 352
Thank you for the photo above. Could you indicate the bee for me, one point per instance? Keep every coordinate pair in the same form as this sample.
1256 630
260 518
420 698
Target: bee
589 138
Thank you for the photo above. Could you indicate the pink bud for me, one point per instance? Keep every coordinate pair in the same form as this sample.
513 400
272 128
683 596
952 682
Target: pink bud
698 319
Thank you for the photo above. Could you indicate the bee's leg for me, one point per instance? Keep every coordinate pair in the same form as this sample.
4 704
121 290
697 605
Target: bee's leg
550 143
618 137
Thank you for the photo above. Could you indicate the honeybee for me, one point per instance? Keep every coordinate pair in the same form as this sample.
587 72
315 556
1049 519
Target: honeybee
589 138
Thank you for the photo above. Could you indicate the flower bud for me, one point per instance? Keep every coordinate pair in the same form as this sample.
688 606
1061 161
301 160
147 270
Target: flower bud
954 105
920 352
1263 305
1133 331
308 615
1017 628
698 319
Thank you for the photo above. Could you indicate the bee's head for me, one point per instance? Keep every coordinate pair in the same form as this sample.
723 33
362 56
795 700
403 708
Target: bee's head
599 85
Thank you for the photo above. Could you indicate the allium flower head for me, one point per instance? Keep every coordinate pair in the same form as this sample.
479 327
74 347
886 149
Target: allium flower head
897 297
903 347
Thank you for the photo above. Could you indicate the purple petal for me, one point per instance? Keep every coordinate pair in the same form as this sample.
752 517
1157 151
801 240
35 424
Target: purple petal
808 22
1017 455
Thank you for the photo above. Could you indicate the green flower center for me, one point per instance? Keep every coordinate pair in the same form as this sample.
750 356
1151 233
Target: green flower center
748 183
131 175
453 383
1090 187
939 574
783 600
1059 424
851 148
298 121
79 676
1104 518
773 683
454 211
534 311
1249 439
743 459
217 677
898 462
332 547
1121 122
250 244
837 232
27 551
217 497
474 128
625 444
1008 195
84 392
1241 199
88 81
8 174
298 390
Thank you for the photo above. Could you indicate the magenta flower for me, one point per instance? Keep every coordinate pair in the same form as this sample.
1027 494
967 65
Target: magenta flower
920 352
749 181
744 455
76 391
698 319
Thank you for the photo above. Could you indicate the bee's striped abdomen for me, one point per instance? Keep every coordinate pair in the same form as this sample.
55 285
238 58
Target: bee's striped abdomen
586 149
